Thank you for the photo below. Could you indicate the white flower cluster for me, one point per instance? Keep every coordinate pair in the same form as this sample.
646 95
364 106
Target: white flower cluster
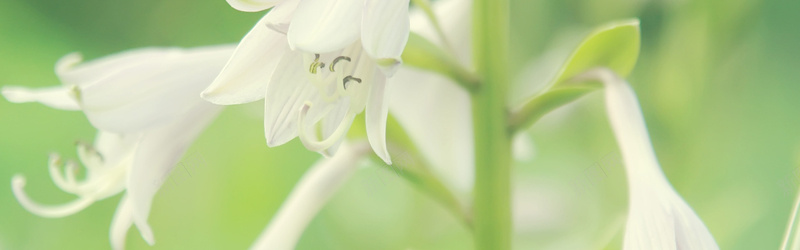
317 64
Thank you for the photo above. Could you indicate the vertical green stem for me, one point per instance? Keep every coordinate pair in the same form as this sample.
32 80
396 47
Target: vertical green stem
492 204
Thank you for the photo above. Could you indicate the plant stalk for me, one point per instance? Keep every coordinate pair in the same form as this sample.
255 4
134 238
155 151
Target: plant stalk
492 201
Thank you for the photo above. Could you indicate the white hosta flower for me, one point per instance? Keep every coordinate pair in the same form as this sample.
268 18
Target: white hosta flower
324 178
317 61
145 104
658 218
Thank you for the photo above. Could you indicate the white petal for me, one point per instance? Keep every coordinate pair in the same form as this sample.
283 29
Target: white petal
122 221
377 111
153 92
649 226
278 18
658 217
247 73
690 232
72 72
114 148
61 97
253 5
321 26
366 69
288 91
309 196
436 114
384 32
156 154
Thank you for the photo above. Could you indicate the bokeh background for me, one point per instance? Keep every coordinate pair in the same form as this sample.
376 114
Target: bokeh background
717 80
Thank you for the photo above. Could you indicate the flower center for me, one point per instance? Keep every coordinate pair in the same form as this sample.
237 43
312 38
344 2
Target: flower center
334 81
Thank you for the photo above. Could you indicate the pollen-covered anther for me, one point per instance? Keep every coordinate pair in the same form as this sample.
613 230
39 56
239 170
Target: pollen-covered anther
315 65
348 79
346 58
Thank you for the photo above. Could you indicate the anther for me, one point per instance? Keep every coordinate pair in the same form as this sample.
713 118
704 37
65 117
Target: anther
337 60
313 67
349 78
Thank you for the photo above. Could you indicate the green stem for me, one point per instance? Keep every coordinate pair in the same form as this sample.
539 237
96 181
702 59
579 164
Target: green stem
492 203
533 109
411 166
414 170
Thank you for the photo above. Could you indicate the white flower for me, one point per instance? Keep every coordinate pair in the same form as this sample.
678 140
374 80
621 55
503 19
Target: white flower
317 61
658 218
324 178
144 103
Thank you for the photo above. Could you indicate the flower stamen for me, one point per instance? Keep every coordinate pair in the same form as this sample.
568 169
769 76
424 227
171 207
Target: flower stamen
348 79
316 64
17 185
311 142
333 64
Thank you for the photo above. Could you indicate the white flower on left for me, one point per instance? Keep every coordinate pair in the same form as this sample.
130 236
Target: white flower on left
146 107
317 61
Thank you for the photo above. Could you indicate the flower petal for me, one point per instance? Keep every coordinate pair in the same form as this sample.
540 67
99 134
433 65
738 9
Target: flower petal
384 32
253 5
153 92
377 111
287 92
690 231
278 18
61 97
157 153
246 75
71 70
122 221
658 216
114 148
321 26
309 196
649 226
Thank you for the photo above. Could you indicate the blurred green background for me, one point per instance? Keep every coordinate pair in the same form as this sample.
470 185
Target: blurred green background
717 80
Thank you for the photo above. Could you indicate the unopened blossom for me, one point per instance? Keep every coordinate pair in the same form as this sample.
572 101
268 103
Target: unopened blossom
658 218
317 64
144 103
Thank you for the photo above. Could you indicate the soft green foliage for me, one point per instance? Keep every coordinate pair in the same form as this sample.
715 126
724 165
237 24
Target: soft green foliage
614 46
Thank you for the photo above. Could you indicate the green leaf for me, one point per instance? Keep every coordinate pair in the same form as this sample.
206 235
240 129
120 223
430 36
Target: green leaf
424 54
614 46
